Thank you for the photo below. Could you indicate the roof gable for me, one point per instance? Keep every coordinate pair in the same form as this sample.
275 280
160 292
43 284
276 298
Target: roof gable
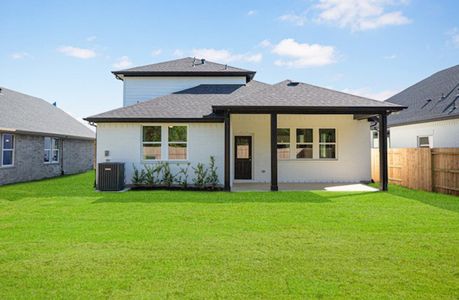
187 66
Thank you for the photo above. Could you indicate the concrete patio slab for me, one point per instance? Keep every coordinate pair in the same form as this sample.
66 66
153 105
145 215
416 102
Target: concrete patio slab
332 187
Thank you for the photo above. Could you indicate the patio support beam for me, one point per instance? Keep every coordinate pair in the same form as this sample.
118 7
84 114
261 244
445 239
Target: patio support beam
274 186
227 162
383 163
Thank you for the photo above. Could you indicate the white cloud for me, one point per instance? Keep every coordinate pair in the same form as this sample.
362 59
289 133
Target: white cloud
303 55
156 52
20 55
390 57
295 19
91 38
77 52
178 53
368 93
226 56
454 37
122 62
265 44
361 14
251 13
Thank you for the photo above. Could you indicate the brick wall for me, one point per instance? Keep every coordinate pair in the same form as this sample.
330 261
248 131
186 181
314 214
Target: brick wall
76 156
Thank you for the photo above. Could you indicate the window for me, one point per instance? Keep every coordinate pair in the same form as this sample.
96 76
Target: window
283 143
327 143
7 150
51 150
425 141
304 143
151 142
177 146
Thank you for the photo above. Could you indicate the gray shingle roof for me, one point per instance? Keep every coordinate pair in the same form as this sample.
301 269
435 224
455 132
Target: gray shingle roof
298 94
185 66
195 102
425 101
25 113
198 102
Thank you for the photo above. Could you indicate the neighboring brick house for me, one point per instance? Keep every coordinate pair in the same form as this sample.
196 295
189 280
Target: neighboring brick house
39 140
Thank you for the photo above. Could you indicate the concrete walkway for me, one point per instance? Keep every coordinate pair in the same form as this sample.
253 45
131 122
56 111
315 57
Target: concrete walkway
332 187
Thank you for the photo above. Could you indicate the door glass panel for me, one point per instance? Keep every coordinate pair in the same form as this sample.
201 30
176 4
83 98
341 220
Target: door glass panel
242 148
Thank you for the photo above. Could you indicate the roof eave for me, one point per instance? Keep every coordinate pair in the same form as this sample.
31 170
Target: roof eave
153 120
121 74
307 109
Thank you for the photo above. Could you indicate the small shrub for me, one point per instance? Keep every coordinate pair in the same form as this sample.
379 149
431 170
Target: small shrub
182 176
157 173
212 176
168 177
200 173
139 176
149 174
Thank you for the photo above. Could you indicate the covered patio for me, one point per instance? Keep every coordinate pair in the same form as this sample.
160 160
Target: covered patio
331 187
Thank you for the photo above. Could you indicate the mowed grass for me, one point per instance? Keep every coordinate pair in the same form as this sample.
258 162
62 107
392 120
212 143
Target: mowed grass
61 239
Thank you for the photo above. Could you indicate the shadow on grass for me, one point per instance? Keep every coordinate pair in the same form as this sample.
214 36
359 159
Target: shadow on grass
225 197
438 200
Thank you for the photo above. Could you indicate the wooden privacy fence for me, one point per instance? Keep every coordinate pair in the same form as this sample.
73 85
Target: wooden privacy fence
433 170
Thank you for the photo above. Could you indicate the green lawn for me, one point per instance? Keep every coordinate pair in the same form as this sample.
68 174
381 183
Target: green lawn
61 239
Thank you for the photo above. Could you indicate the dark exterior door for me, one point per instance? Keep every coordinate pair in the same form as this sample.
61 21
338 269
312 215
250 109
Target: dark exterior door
243 157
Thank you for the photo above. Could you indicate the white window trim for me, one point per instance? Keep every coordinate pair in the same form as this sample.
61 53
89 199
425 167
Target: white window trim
52 162
328 143
186 142
165 143
305 143
429 137
2 144
150 143
289 144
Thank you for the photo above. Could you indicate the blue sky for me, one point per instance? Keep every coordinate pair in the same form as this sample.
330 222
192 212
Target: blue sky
64 50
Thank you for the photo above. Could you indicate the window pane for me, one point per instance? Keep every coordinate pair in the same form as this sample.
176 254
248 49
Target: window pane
152 151
47 155
283 135
55 143
327 151
283 151
55 157
242 147
7 157
304 135
47 143
327 135
303 151
152 133
8 141
177 133
177 151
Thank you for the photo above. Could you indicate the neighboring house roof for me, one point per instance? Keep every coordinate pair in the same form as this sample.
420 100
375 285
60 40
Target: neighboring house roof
187 66
206 101
433 98
27 114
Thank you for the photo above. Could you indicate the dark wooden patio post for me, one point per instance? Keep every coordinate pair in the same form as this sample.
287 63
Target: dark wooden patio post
383 165
274 186
227 151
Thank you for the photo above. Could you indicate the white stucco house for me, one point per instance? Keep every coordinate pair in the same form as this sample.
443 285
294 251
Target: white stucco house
186 110
432 117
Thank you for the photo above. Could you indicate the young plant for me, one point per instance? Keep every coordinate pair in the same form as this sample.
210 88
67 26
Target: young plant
200 174
212 176
149 175
168 177
157 173
139 176
183 176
